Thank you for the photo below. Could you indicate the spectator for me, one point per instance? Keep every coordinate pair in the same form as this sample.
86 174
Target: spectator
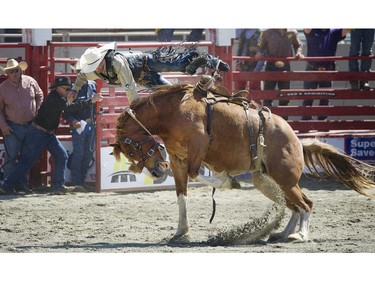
82 124
195 35
361 40
321 43
247 47
166 35
130 69
41 135
20 99
278 43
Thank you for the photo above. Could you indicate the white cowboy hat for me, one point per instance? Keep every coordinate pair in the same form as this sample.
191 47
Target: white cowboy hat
93 56
12 63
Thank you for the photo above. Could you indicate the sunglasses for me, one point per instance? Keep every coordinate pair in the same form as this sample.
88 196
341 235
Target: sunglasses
14 70
66 88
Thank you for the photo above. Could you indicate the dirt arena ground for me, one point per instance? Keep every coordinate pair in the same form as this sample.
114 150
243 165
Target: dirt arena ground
143 223
342 221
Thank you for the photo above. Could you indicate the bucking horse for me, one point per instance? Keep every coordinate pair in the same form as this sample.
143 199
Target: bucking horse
230 135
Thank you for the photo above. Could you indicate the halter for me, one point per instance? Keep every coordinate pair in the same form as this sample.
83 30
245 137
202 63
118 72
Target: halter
137 146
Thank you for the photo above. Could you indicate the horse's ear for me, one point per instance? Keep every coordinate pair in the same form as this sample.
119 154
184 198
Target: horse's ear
111 144
116 150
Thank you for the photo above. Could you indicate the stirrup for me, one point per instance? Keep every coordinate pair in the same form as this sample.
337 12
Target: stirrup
205 83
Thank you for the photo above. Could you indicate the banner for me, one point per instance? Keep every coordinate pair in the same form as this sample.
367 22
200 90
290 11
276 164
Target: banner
115 175
362 148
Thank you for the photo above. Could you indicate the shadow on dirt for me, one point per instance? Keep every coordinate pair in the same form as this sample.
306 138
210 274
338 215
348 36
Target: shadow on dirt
102 246
313 183
307 181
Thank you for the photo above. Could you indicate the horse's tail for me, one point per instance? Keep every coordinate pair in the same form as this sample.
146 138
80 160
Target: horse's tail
352 172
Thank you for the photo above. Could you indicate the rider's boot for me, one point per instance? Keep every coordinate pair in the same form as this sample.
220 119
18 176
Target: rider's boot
195 64
216 63
209 61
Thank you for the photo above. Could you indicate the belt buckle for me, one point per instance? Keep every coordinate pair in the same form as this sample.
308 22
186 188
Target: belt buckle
279 64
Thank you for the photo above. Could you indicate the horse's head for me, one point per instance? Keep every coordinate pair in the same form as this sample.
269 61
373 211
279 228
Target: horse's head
137 144
147 155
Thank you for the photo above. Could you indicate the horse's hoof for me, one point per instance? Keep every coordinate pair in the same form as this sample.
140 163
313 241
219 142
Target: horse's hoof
276 238
297 237
180 238
234 183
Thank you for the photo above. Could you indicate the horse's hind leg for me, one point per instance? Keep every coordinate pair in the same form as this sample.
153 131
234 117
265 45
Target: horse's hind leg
273 191
268 187
304 226
294 199
299 203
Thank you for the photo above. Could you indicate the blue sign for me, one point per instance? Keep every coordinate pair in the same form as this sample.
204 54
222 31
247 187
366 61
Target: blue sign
362 148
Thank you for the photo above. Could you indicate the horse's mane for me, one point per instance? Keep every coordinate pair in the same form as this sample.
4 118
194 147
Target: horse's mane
164 90
156 92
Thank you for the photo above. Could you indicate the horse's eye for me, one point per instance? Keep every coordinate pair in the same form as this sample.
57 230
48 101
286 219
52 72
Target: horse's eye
131 154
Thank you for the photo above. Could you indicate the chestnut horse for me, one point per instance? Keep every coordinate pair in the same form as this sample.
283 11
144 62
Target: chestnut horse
230 137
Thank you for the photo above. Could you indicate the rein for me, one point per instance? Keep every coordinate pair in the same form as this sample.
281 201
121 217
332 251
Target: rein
132 115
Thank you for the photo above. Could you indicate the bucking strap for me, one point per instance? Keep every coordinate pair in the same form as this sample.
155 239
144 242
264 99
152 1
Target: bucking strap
209 117
253 145
260 141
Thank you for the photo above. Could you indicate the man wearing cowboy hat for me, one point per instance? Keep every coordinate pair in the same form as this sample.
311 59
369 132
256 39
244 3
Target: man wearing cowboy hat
130 69
20 99
83 132
41 135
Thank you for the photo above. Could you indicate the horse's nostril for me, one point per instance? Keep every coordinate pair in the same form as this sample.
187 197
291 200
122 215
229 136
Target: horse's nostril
163 166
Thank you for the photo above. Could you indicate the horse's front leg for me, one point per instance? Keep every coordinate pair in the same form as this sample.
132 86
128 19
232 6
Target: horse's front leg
197 149
183 224
179 169
183 169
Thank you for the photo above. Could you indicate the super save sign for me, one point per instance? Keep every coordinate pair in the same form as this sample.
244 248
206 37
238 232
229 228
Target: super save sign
362 148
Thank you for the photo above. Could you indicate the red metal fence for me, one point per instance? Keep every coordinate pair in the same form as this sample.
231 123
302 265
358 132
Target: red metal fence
358 114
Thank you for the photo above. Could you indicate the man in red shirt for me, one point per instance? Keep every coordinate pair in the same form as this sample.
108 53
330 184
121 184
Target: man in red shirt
20 99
